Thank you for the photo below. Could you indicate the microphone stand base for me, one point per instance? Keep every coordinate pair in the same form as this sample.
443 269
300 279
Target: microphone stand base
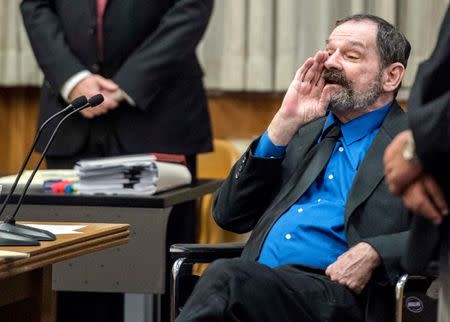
11 239
27 231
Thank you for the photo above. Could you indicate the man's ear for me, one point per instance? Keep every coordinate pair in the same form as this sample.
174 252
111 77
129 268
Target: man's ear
392 76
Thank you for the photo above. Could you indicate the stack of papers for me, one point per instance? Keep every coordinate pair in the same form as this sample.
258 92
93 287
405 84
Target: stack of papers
129 174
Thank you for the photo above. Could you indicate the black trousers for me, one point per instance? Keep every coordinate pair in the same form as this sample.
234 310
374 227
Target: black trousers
109 307
241 290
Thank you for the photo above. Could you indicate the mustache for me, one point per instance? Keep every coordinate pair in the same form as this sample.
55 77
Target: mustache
333 76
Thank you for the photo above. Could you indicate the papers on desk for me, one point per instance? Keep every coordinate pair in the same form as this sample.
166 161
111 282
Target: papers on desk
119 162
59 229
130 174
11 254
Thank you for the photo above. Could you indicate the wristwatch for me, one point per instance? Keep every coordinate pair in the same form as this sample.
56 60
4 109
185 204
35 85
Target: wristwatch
409 149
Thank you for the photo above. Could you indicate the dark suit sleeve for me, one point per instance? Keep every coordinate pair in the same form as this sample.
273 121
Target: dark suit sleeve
429 118
246 193
158 57
422 247
46 35
390 248
429 106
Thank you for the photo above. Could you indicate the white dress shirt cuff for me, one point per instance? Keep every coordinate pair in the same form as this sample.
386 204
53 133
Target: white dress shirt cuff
73 81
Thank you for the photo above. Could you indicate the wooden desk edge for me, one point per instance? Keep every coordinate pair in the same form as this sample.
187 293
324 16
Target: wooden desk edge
67 251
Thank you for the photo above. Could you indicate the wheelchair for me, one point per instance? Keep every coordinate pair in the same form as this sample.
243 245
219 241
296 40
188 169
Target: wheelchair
412 302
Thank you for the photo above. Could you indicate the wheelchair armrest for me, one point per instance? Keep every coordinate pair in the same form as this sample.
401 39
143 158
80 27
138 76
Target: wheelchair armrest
206 253
185 255
431 271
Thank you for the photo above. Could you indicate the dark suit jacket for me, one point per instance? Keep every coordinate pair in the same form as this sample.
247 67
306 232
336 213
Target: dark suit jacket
149 51
429 119
258 191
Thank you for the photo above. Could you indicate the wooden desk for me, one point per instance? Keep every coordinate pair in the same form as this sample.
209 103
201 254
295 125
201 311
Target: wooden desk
26 284
143 270
143 259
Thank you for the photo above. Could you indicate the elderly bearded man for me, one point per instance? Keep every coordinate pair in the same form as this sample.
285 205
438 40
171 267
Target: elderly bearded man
327 234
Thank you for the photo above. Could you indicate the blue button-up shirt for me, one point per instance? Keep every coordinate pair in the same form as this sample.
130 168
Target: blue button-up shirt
311 231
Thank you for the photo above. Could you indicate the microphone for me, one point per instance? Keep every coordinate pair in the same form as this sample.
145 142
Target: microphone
96 100
29 235
22 240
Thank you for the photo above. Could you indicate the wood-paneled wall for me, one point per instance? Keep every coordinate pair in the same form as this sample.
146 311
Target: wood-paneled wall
242 115
18 119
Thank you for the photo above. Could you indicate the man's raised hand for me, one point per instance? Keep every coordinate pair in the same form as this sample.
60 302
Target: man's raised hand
305 100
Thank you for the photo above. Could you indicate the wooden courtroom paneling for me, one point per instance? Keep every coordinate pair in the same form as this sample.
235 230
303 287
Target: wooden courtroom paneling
242 115
18 118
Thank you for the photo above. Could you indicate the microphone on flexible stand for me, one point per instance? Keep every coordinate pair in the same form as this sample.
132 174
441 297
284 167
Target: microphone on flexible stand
18 239
12 234
76 103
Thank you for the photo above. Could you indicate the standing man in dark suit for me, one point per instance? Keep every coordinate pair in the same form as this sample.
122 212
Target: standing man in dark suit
417 165
327 236
140 54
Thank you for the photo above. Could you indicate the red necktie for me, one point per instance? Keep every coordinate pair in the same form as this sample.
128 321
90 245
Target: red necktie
101 5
